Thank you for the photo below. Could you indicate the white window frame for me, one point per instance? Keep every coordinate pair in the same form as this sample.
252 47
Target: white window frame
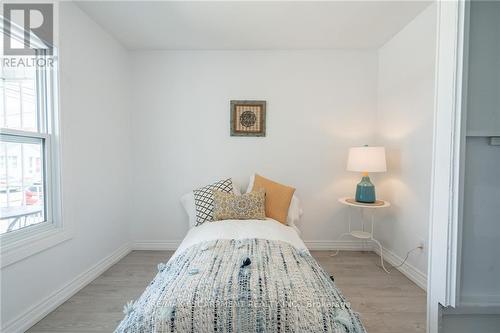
25 242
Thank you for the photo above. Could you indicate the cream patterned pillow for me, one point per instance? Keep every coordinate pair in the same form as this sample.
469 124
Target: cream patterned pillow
249 206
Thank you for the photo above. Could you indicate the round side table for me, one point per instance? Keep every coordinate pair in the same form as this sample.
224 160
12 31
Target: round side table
362 234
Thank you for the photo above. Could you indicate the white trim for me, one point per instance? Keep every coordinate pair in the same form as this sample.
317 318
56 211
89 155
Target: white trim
342 245
461 146
153 245
35 313
23 243
410 271
313 245
38 238
444 226
444 191
23 136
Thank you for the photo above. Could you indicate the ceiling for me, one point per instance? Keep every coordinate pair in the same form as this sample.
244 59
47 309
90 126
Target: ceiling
153 25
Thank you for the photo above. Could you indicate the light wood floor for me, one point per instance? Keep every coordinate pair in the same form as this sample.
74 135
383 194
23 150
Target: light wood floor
388 303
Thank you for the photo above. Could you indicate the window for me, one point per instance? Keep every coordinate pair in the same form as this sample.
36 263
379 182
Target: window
30 205
26 148
29 194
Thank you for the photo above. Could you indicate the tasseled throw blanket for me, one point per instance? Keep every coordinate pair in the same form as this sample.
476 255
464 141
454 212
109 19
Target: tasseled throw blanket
250 285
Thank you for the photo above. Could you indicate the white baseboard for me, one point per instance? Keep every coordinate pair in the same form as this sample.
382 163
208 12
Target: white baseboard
154 245
35 313
314 245
408 270
342 245
411 272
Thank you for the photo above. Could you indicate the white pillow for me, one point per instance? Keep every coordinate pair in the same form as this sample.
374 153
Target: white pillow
250 183
294 211
187 201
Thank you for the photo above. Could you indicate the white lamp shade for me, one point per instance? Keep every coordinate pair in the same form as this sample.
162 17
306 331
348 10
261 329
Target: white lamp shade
366 159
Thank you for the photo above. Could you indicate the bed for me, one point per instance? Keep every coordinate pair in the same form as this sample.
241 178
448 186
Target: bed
241 276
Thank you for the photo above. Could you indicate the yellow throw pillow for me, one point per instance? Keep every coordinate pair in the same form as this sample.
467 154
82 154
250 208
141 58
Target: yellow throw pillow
249 206
278 197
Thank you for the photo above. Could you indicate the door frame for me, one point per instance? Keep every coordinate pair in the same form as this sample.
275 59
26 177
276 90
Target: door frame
443 280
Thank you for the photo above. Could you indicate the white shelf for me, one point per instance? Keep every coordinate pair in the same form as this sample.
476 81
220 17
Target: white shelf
363 205
486 133
362 234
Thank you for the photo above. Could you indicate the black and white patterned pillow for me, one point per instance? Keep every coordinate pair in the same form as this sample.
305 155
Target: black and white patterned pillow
204 199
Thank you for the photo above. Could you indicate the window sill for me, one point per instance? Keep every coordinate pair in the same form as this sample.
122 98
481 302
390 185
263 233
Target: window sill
30 242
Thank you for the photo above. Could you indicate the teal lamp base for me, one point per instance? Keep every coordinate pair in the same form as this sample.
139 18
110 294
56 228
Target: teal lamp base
365 191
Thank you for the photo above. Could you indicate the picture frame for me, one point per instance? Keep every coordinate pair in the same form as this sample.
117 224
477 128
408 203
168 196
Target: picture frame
248 118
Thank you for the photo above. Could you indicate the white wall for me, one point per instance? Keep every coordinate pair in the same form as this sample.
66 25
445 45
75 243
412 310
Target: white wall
176 137
95 165
319 103
404 127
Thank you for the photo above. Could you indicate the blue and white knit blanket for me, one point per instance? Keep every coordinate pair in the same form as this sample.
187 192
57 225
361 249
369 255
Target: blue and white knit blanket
250 285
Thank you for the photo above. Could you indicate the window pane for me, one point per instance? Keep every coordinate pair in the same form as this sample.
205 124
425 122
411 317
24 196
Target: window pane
22 194
18 100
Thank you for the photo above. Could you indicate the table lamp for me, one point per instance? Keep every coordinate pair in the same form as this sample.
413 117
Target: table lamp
366 159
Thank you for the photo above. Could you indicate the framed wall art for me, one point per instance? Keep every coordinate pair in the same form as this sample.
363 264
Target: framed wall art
248 118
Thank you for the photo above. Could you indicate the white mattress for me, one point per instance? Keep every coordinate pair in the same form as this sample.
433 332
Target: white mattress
241 229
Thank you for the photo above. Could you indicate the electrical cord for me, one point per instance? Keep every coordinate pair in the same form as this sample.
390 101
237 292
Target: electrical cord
406 258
